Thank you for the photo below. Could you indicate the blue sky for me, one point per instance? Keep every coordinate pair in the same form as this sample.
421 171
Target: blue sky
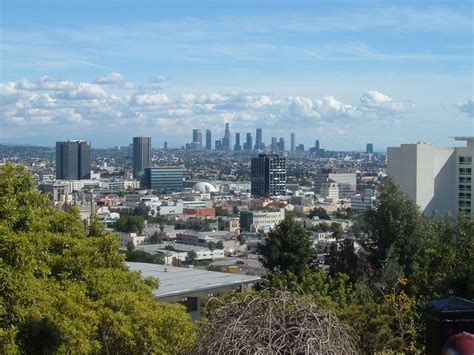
345 73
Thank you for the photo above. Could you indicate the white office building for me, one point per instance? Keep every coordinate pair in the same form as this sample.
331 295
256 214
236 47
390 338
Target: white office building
438 179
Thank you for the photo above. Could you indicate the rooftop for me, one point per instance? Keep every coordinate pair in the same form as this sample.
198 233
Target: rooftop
176 281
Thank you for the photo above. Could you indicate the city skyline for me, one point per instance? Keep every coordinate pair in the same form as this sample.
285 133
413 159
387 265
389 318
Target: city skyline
387 73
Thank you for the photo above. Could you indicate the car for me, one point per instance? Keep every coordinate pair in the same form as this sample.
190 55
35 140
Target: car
240 262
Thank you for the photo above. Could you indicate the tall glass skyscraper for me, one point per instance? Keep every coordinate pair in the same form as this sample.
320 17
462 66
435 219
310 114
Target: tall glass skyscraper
293 142
141 155
268 175
73 160
258 139
208 139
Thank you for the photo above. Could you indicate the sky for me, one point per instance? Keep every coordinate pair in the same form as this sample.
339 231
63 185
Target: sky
343 72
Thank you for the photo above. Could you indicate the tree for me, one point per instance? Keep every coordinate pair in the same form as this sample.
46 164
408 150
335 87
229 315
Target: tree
155 238
220 245
241 239
66 289
319 212
212 246
287 248
130 224
191 256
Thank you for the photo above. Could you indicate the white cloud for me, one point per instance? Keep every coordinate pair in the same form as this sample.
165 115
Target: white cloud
82 104
110 79
150 99
379 103
84 91
467 107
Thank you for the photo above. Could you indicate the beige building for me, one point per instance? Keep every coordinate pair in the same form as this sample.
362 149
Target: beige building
330 190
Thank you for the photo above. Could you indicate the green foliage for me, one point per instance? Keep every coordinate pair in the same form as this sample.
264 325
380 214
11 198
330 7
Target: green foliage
130 224
287 248
319 212
141 256
64 289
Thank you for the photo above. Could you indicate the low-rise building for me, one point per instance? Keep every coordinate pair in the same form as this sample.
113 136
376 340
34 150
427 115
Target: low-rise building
253 221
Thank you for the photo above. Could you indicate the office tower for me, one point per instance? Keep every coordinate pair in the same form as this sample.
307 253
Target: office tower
346 181
293 143
227 139
164 179
300 148
369 148
197 139
248 143
268 175
274 145
437 179
73 160
316 144
141 155
218 144
208 139
281 145
258 139
237 146
165 145
316 150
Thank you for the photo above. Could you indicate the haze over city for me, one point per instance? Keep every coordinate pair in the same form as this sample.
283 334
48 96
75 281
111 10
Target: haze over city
343 73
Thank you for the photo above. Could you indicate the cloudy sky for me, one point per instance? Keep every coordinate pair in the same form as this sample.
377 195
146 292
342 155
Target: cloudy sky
345 73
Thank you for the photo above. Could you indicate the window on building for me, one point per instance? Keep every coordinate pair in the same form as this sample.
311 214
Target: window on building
465 160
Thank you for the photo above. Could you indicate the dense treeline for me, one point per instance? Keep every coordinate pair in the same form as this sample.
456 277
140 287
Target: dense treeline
64 289
405 260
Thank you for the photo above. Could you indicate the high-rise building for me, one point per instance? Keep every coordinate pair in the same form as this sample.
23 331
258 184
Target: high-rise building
437 179
197 139
274 145
316 144
346 181
248 142
141 155
281 145
237 146
208 139
293 142
164 179
300 148
165 145
73 160
369 148
227 139
258 139
268 175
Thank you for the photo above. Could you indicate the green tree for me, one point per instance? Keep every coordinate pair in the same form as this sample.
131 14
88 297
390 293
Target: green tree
319 212
287 248
130 224
191 256
212 246
66 289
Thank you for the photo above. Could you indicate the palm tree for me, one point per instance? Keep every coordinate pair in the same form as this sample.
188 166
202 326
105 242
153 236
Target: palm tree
212 247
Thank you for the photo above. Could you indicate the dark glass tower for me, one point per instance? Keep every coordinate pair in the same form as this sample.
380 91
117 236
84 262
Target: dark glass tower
369 148
73 160
268 175
237 146
208 139
141 155
293 142
258 139
248 142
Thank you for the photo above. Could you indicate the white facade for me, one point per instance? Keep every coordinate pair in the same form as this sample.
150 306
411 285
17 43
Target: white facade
330 190
438 179
267 220
361 202
132 237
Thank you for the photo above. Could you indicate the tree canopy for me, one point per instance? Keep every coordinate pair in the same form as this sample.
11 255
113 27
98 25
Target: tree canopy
287 248
66 289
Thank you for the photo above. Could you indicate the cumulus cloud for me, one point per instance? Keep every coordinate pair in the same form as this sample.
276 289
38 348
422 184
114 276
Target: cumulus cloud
52 101
110 79
375 101
467 107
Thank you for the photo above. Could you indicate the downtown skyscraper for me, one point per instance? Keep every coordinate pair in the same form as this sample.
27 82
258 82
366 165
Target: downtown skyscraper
227 139
208 139
141 155
73 160
258 139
